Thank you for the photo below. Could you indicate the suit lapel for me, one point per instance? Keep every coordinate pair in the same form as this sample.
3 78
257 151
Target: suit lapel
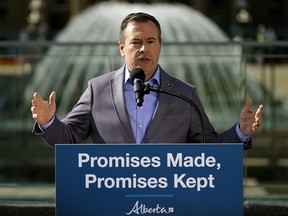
164 99
116 84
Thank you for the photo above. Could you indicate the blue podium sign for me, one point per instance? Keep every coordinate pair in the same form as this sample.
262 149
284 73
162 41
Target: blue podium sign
149 179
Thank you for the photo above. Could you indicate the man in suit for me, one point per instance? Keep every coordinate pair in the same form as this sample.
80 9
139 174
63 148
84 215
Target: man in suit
107 110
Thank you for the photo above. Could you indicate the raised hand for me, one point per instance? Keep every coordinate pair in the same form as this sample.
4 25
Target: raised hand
250 121
43 111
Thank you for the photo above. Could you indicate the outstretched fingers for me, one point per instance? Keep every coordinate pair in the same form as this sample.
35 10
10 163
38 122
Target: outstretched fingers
52 98
43 111
258 119
258 115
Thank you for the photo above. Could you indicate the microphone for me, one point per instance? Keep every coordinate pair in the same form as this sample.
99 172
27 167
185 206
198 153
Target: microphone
137 77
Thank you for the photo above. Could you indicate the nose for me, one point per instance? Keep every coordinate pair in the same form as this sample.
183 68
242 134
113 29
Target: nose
143 48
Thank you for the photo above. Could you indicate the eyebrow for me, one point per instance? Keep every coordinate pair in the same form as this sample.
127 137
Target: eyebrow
151 38
138 39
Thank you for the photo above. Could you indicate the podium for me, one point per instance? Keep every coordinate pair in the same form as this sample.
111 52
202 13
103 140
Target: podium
149 179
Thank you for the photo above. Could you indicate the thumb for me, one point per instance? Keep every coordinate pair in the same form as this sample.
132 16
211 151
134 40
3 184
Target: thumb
248 105
52 98
38 97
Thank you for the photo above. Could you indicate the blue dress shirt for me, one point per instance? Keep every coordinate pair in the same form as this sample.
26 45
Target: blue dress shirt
140 117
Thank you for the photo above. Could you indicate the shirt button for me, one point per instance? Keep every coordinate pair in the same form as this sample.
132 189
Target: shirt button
140 125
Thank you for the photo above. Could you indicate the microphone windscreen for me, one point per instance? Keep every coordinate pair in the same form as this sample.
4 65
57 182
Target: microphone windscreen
137 73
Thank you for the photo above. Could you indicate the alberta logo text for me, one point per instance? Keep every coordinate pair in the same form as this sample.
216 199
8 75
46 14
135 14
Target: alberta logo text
141 209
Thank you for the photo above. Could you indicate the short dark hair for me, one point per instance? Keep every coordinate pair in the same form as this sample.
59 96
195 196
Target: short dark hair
138 17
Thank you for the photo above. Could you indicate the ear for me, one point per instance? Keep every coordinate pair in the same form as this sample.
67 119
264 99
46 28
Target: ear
121 48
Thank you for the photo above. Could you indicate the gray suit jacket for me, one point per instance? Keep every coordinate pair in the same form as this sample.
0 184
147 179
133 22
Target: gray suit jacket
101 113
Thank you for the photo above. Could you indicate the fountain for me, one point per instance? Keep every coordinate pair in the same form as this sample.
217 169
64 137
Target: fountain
66 69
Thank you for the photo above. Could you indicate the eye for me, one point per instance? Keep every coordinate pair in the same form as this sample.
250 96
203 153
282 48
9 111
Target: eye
135 42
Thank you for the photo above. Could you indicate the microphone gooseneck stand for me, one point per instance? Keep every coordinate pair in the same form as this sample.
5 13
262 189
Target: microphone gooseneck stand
147 88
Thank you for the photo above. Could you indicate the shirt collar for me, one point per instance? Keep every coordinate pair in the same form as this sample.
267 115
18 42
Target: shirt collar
154 80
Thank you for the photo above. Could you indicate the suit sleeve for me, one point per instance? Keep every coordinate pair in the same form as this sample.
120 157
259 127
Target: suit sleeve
229 136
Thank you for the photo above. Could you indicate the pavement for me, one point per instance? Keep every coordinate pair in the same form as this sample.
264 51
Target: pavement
32 200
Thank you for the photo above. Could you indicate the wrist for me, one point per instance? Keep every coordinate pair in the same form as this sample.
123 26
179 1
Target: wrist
243 137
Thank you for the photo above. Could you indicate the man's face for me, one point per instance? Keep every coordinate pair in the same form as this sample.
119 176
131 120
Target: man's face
141 47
